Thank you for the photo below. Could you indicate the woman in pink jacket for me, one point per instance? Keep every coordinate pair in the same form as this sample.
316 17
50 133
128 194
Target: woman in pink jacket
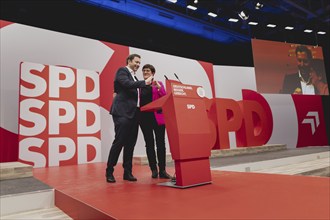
153 126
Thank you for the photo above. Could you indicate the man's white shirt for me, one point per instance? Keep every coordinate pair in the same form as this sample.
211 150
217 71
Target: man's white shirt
306 88
138 90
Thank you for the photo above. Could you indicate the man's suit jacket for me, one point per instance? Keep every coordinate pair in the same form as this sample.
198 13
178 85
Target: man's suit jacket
291 83
125 102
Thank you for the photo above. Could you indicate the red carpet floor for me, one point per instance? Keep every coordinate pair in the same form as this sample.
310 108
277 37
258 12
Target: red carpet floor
83 193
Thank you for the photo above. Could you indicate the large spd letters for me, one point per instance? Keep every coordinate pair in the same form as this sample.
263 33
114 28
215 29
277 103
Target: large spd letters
59 120
250 119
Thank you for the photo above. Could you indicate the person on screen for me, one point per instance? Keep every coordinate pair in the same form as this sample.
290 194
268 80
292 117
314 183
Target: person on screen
318 77
125 111
153 126
300 82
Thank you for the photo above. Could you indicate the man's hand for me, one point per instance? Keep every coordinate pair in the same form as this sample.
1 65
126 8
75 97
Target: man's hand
297 91
149 80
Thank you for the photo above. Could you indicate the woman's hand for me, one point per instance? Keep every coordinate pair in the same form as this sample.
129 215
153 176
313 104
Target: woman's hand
156 83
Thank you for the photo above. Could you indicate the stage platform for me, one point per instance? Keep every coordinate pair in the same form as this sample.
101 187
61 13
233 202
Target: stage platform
82 192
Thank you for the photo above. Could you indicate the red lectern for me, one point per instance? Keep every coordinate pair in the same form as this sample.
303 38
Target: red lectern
189 132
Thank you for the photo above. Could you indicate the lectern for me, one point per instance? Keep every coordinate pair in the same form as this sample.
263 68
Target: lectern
189 132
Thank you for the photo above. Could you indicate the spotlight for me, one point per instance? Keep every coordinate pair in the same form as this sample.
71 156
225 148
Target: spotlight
253 23
271 25
191 7
212 14
243 15
258 5
233 20
289 28
195 1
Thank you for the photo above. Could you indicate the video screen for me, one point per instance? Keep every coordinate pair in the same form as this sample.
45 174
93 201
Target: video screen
286 68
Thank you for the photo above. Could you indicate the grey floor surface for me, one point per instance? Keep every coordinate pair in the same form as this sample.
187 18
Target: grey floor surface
225 161
21 185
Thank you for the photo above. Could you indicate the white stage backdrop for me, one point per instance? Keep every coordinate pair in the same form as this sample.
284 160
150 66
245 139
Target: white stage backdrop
22 43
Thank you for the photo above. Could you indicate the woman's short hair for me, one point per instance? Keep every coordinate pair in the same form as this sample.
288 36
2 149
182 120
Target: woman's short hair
149 66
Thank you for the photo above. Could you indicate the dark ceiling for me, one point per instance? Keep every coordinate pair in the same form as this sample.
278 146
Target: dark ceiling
300 14
229 43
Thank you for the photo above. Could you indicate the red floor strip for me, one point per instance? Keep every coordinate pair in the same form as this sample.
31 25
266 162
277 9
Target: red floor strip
232 195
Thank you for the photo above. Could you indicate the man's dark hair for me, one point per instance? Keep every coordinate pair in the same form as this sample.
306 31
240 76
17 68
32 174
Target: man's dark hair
131 57
302 48
149 66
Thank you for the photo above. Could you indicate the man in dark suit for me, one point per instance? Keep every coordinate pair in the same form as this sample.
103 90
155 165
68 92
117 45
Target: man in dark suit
125 111
300 82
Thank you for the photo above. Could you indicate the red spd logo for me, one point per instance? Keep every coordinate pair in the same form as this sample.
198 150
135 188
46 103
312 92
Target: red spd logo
251 119
59 115
311 126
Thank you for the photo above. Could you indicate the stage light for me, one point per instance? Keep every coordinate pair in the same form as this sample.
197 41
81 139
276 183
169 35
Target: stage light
172 1
212 14
233 20
195 1
308 31
243 15
321 32
271 25
253 23
191 7
289 28
258 5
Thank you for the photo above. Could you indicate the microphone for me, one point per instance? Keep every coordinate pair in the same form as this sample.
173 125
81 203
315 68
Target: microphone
165 77
177 78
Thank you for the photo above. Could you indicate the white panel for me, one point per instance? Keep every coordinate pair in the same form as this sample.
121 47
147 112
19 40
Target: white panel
49 213
285 122
24 43
268 164
232 140
230 80
107 133
26 202
189 71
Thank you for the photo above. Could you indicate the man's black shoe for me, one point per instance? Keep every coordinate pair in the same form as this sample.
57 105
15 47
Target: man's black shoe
154 174
129 177
164 175
111 178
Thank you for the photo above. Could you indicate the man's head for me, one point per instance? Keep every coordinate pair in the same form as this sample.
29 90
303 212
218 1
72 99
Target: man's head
133 61
304 59
148 70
